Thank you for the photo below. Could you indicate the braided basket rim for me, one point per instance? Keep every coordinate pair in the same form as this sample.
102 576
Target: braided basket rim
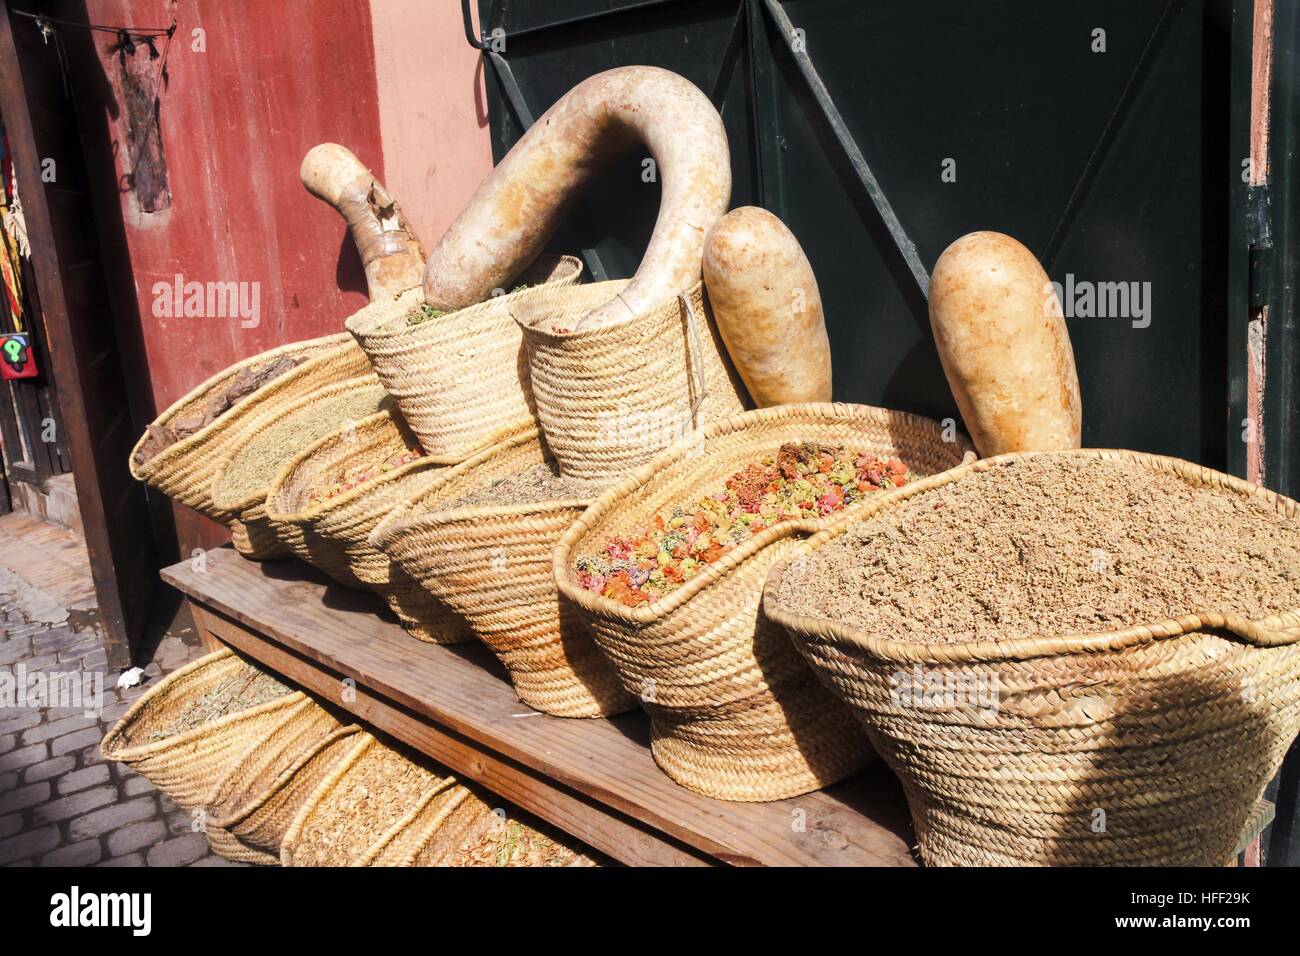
405 516
329 346
368 322
241 813
267 418
360 747
614 496
1274 631
549 297
404 824
138 751
305 516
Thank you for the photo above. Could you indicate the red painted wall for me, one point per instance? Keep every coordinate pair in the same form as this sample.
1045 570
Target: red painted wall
276 78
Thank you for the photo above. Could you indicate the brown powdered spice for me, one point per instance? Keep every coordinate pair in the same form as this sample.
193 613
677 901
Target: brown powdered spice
533 485
1050 545
244 383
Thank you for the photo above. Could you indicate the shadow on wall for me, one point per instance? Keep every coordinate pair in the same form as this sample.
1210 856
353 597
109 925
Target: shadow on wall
93 96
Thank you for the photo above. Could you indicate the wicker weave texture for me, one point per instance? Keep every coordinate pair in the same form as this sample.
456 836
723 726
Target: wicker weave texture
242 479
459 379
1143 746
492 565
184 471
735 713
608 398
184 765
334 534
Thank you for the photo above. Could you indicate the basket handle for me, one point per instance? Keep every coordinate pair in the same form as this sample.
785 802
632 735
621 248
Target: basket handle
696 361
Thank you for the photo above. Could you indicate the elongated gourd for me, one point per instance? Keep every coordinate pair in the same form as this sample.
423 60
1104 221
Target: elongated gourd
520 203
390 252
1005 349
767 307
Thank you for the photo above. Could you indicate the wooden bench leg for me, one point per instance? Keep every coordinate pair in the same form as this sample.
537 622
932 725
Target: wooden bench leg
207 640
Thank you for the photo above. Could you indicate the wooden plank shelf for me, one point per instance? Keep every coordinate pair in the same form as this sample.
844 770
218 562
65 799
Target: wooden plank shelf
594 779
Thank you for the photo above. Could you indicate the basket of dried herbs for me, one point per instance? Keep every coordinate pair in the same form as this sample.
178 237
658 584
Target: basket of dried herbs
1079 658
479 538
242 479
384 805
197 722
324 503
469 831
251 807
459 378
375 788
181 449
667 568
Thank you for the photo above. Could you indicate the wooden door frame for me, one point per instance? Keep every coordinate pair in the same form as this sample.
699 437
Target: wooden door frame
123 612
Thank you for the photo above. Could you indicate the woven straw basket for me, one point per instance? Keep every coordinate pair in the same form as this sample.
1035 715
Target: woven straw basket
1172 728
184 470
608 398
492 564
455 826
466 831
373 790
439 825
242 479
334 535
251 807
459 379
184 765
735 714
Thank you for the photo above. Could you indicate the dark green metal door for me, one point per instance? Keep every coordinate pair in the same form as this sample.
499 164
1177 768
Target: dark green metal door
1096 133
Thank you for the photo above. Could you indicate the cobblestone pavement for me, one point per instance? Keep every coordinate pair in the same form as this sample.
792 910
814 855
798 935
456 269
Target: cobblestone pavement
61 804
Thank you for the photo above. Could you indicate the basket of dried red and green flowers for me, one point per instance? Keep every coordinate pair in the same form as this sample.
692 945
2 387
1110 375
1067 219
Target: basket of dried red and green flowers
668 566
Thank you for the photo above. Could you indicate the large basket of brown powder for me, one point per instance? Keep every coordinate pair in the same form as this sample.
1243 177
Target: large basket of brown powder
668 565
459 378
251 807
608 398
181 449
1083 657
479 538
324 503
185 732
242 479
